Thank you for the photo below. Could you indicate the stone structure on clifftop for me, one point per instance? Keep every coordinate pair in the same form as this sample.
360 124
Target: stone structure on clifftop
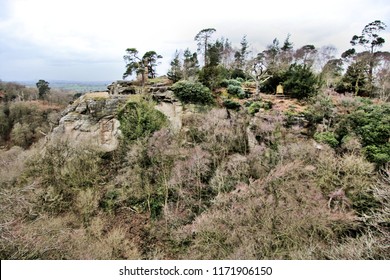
122 87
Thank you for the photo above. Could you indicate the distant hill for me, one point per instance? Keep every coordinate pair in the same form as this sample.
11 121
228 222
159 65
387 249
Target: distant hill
77 86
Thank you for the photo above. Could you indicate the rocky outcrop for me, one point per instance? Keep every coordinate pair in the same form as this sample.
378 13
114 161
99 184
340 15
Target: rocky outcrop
91 119
170 106
122 87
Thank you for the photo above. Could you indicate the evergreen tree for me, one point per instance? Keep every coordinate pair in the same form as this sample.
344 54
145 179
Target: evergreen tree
175 73
203 39
43 89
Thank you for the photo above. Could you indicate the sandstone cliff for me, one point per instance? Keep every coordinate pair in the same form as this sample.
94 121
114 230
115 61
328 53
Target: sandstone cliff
91 119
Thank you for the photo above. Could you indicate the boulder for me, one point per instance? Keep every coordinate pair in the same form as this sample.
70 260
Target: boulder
91 119
122 87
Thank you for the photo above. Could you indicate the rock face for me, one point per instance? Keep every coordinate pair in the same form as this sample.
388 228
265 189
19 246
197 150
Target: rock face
91 119
122 87
169 106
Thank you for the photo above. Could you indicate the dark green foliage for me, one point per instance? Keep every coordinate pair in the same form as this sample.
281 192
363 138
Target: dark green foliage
175 73
370 36
238 73
140 119
372 124
150 59
192 92
327 138
212 76
300 82
190 64
43 88
230 104
235 90
77 95
379 154
227 82
138 65
255 107
270 85
5 123
354 80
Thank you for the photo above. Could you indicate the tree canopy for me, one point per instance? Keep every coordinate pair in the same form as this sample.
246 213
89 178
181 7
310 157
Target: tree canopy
144 66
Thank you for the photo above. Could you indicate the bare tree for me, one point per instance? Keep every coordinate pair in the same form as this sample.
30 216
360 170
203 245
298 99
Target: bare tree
382 76
257 68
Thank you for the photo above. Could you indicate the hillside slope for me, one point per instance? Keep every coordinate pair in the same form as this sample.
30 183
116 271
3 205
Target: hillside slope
245 183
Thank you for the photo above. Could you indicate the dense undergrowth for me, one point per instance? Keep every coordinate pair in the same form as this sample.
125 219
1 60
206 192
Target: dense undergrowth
237 184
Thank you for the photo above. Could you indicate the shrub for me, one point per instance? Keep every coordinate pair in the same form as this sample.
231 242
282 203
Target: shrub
63 171
230 104
192 92
232 82
300 82
5 123
256 106
140 119
21 135
327 138
321 107
288 214
371 123
268 129
212 76
223 135
232 171
235 90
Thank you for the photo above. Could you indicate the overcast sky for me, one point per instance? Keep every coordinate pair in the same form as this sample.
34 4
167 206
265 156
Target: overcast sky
85 40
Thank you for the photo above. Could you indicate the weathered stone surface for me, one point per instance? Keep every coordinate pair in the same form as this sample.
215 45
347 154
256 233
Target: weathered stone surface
174 113
165 96
122 87
91 119
170 106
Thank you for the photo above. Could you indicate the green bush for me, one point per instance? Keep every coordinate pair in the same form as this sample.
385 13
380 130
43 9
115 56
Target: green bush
255 107
379 154
192 92
327 138
234 82
230 104
212 76
140 119
371 123
300 82
5 123
235 90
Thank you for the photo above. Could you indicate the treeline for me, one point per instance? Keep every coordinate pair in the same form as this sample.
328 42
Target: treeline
302 71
